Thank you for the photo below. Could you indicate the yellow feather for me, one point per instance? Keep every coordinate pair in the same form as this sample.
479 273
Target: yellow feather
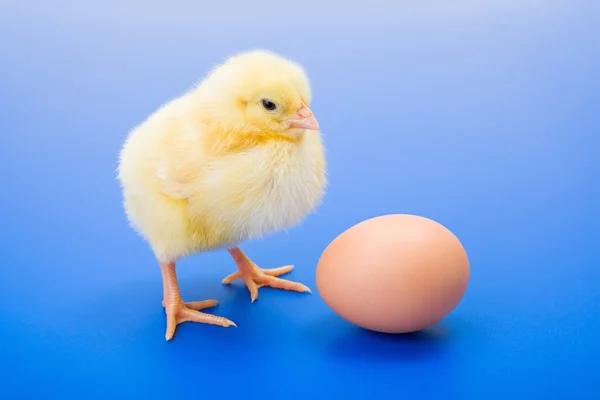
211 169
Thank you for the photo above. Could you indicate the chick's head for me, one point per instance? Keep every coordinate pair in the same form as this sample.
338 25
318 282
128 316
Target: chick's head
262 92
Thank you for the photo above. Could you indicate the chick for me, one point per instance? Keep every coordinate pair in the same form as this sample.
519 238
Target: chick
237 157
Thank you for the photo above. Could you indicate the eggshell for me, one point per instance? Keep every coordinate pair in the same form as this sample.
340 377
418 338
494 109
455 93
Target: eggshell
394 273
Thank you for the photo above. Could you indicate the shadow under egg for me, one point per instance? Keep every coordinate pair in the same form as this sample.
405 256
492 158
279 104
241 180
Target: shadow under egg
342 340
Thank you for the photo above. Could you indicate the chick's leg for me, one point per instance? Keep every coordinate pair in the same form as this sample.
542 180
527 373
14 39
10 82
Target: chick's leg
178 311
255 277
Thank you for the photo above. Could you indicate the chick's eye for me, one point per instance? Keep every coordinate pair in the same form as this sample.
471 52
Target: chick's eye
268 104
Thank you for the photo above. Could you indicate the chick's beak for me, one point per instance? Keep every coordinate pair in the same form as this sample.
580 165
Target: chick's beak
304 119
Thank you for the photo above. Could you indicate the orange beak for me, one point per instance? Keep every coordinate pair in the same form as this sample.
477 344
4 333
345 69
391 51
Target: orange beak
304 119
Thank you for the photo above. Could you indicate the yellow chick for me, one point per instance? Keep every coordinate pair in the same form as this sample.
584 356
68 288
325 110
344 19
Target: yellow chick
235 158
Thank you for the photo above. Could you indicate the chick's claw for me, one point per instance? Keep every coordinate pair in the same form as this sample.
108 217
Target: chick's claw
255 277
178 313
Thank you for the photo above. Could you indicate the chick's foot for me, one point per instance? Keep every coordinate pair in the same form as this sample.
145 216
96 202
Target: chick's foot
255 277
178 312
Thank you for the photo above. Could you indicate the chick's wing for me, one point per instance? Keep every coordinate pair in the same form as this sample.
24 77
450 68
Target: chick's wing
181 159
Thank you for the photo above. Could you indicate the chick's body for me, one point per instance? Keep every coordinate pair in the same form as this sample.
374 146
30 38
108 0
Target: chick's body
217 166
183 198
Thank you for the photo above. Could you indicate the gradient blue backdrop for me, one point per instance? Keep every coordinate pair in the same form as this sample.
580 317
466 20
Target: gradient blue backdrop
484 116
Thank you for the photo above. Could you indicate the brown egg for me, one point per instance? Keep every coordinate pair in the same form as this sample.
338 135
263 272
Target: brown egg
394 273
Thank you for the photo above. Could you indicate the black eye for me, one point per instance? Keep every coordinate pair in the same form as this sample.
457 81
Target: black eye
268 104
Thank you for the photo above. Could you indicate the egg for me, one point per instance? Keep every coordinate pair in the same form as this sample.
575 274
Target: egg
393 273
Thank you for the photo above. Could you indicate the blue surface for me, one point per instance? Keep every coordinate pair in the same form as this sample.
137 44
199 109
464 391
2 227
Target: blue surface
484 117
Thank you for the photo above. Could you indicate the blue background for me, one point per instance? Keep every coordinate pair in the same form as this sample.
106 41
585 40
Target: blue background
484 116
